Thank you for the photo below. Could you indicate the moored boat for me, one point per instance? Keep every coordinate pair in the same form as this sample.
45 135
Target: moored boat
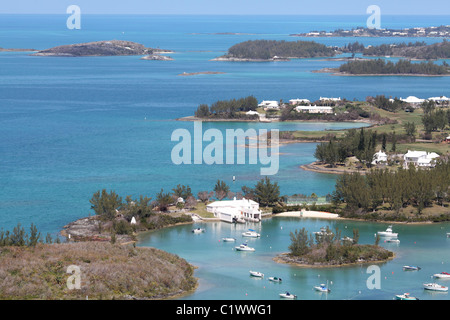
275 279
198 230
256 274
411 268
442 275
288 295
322 288
228 239
251 234
387 233
405 296
435 287
244 247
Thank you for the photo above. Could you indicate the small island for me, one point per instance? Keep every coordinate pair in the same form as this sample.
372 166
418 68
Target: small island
328 249
380 67
273 50
184 74
99 48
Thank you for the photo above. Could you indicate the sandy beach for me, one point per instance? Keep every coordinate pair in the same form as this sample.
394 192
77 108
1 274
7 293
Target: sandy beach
309 214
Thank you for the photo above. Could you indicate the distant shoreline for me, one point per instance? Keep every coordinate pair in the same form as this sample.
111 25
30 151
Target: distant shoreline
336 72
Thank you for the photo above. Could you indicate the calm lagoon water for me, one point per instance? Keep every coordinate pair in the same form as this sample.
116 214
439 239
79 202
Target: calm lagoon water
72 126
224 272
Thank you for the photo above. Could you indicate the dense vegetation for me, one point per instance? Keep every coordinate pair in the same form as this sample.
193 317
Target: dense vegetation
396 189
360 143
327 248
106 272
417 50
379 66
267 49
229 109
20 238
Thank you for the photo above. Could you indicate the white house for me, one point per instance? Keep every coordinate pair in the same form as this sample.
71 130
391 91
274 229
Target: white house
420 158
233 210
413 100
293 102
314 109
330 99
269 104
251 113
439 100
380 156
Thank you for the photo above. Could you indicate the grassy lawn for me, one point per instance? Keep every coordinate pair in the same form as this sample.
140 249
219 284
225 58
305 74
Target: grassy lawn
200 209
402 117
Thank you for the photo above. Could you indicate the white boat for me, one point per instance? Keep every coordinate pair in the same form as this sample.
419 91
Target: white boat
387 233
256 274
322 288
288 295
434 287
275 279
198 230
244 247
442 275
323 231
405 296
392 240
411 268
251 234
228 239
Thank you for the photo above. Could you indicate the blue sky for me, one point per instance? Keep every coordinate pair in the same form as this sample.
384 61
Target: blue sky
317 7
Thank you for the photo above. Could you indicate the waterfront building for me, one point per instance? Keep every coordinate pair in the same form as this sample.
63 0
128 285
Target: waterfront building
234 210
314 109
269 104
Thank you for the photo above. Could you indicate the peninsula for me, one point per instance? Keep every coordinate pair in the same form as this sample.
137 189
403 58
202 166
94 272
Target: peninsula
99 48
273 50
441 32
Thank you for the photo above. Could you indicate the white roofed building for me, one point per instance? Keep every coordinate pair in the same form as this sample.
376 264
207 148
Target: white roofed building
420 158
413 100
269 104
294 102
314 109
380 156
232 210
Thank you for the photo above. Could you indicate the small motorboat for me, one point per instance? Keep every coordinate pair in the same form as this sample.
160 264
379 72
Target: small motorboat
244 247
288 295
228 239
442 275
322 288
405 296
392 240
323 232
387 233
198 230
251 234
275 279
434 287
256 274
411 268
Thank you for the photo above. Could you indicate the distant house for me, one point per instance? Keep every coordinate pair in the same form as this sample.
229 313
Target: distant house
412 100
330 99
439 100
447 139
380 156
314 109
251 113
294 102
420 158
269 104
234 210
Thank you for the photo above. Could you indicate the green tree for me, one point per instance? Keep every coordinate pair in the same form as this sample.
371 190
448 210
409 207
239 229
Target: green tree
221 189
299 242
266 192
105 204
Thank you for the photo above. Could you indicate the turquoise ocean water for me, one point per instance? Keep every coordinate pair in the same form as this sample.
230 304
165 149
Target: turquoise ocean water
72 126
